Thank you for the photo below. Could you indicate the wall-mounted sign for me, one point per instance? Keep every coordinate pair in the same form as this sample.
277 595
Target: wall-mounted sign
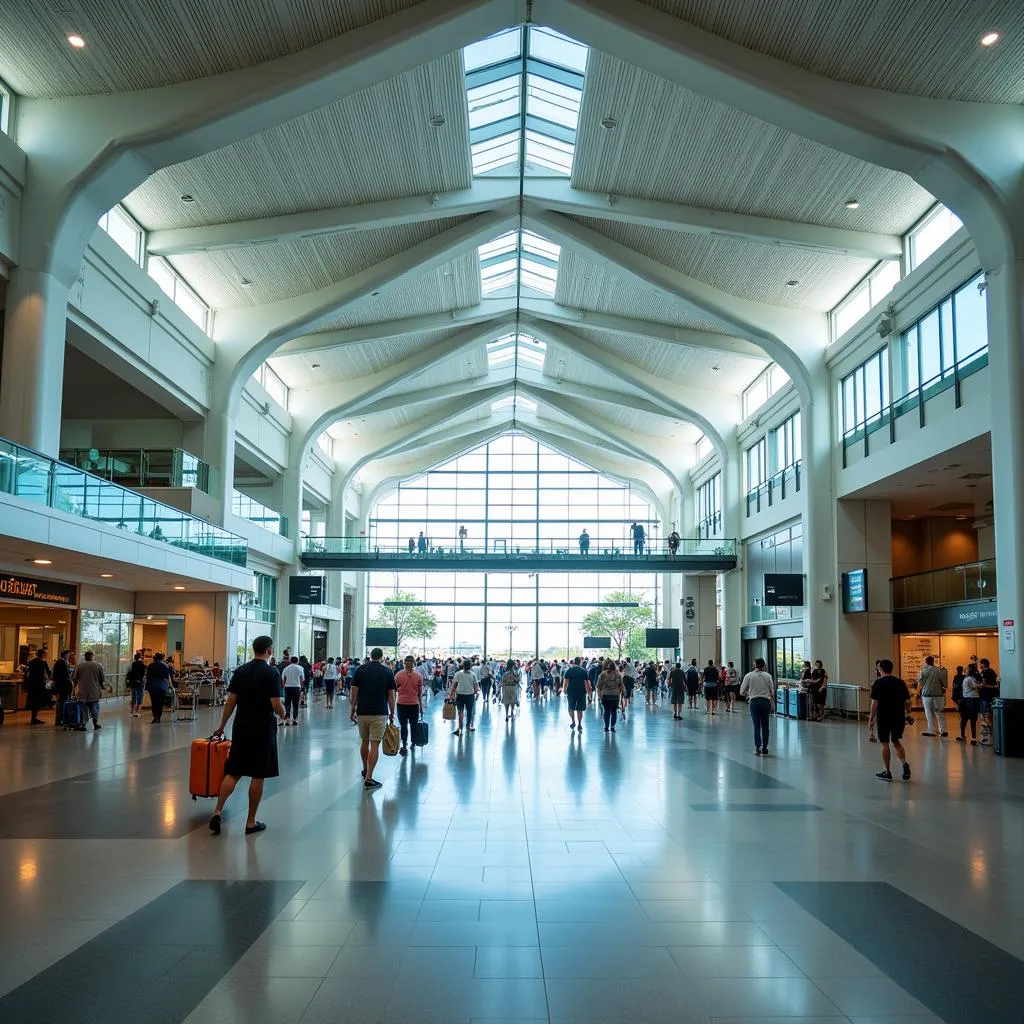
33 591
306 589
967 615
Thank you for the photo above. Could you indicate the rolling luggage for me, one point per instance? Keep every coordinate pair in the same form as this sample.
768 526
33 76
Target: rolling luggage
206 766
72 715
420 734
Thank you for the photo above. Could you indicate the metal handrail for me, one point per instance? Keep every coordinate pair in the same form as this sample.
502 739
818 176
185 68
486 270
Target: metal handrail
971 581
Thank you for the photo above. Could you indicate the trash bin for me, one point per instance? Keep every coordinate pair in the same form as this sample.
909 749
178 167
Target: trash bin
781 697
1008 726
797 703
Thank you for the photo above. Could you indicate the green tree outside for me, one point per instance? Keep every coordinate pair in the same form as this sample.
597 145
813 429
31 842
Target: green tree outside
412 621
624 625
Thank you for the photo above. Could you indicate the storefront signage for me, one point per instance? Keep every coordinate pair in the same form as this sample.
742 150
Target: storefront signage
25 588
969 615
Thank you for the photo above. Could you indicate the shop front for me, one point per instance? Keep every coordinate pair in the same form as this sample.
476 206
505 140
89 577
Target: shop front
34 614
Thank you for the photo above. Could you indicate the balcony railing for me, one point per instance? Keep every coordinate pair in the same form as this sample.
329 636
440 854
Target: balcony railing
256 512
787 481
142 467
604 547
57 485
975 581
708 528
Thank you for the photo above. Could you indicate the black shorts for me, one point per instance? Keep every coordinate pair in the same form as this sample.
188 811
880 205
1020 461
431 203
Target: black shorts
627 685
576 701
890 730
711 693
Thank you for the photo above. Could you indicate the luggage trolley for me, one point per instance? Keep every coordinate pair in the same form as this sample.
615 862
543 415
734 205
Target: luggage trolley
186 701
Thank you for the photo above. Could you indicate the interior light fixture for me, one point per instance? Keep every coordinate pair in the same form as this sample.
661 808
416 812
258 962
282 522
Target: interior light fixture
792 284
106 575
852 204
179 587
988 39
610 123
78 43
245 282
437 121
42 561
187 198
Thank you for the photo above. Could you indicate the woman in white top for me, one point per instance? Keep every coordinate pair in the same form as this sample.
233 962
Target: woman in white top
970 706
463 692
537 678
330 681
510 690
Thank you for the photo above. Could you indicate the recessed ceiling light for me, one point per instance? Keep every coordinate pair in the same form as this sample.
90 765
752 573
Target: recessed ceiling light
316 366
187 198
852 204
179 587
245 282
610 123
78 42
792 284
988 39
437 121
42 561
106 575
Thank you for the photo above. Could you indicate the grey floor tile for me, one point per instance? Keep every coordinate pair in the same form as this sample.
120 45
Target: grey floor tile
630 962
508 962
247 1000
873 995
343 1001
734 962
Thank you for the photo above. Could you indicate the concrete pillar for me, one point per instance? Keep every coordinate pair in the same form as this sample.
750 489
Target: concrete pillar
864 541
1005 294
820 640
699 616
219 452
32 378
734 611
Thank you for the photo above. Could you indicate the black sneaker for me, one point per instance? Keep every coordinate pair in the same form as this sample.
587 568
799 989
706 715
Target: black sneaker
215 824
884 776
906 772
404 751
372 784
251 830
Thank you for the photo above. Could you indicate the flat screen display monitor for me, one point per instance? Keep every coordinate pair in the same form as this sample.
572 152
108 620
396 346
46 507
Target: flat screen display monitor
306 589
597 641
381 636
658 638
855 591
785 589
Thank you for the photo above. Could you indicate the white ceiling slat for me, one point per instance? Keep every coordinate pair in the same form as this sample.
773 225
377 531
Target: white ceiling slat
676 146
921 47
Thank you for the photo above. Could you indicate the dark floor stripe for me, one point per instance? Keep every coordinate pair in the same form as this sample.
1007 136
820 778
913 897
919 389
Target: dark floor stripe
755 807
959 976
157 964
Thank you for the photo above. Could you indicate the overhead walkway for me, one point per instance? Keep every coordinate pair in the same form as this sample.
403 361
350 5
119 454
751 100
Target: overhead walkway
500 555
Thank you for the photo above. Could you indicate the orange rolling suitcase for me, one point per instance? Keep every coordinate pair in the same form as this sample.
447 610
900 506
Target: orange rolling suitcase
206 766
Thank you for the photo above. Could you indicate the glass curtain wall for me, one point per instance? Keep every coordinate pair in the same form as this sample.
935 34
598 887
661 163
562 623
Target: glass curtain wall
512 491
109 636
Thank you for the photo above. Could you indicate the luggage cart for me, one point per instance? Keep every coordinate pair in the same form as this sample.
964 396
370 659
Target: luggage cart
186 702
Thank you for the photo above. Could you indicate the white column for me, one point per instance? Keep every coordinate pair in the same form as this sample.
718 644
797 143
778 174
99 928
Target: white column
32 380
699 618
1006 368
734 610
820 604
219 453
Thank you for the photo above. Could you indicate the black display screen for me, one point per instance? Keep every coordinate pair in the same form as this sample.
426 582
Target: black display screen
663 638
381 636
784 589
855 591
597 641
306 589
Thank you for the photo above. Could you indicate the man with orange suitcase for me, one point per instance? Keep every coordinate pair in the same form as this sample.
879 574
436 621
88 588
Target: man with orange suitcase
255 694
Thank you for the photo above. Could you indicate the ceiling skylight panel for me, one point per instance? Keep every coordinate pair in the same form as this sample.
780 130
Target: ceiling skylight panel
553 47
494 102
493 154
531 351
494 49
553 102
537 246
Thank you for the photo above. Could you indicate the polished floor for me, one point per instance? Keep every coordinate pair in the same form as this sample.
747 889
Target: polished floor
518 873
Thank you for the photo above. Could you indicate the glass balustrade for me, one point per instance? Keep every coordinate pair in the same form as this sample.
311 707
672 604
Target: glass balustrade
66 488
143 467
256 512
975 581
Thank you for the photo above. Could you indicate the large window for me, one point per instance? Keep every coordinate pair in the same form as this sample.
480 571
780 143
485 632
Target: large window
767 383
6 109
929 233
787 447
865 296
178 291
272 384
512 493
950 338
124 230
755 465
709 508
108 635
864 394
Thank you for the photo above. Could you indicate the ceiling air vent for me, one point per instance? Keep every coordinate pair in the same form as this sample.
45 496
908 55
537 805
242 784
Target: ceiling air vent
974 476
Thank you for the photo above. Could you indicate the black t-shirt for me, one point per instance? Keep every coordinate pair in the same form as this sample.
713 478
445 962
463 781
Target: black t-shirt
255 684
692 675
651 675
711 676
989 688
374 679
575 680
677 678
62 684
892 694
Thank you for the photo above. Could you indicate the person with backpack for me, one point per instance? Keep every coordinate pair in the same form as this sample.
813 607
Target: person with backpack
677 683
158 686
135 680
693 683
62 684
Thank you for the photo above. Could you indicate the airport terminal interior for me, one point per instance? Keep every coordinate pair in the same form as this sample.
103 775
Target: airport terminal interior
500 334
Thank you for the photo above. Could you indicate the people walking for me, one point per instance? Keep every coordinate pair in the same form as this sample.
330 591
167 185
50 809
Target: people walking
758 688
373 696
677 685
609 692
256 701
931 682
330 683
510 690
158 686
463 691
969 706
135 680
292 678
90 683
37 675
889 716
62 684
692 683
651 684
577 692
712 689
410 702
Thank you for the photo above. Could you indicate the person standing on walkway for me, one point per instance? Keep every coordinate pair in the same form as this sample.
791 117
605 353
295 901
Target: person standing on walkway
410 702
90 682
510 690
255 699
135 680
890 715
330 682
759 689
989 690
969 706
577 691
609 692
651 684
712 689
677 686
931 682
373 695
731 682
463 534
463 691
584 543
62 684
37 675
639 537
292 677
158 686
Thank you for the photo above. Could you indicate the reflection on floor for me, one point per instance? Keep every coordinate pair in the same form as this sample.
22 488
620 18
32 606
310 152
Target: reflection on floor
516 873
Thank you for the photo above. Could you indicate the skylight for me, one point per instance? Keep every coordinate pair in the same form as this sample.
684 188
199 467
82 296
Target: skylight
515 403
521 350
498 79
533 258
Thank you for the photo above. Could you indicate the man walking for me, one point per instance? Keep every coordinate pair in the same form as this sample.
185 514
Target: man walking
89 682
759 689
577 692
931 682
373 696
410 702
890 714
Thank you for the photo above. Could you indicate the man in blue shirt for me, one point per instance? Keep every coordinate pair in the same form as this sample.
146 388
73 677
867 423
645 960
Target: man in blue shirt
577 692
